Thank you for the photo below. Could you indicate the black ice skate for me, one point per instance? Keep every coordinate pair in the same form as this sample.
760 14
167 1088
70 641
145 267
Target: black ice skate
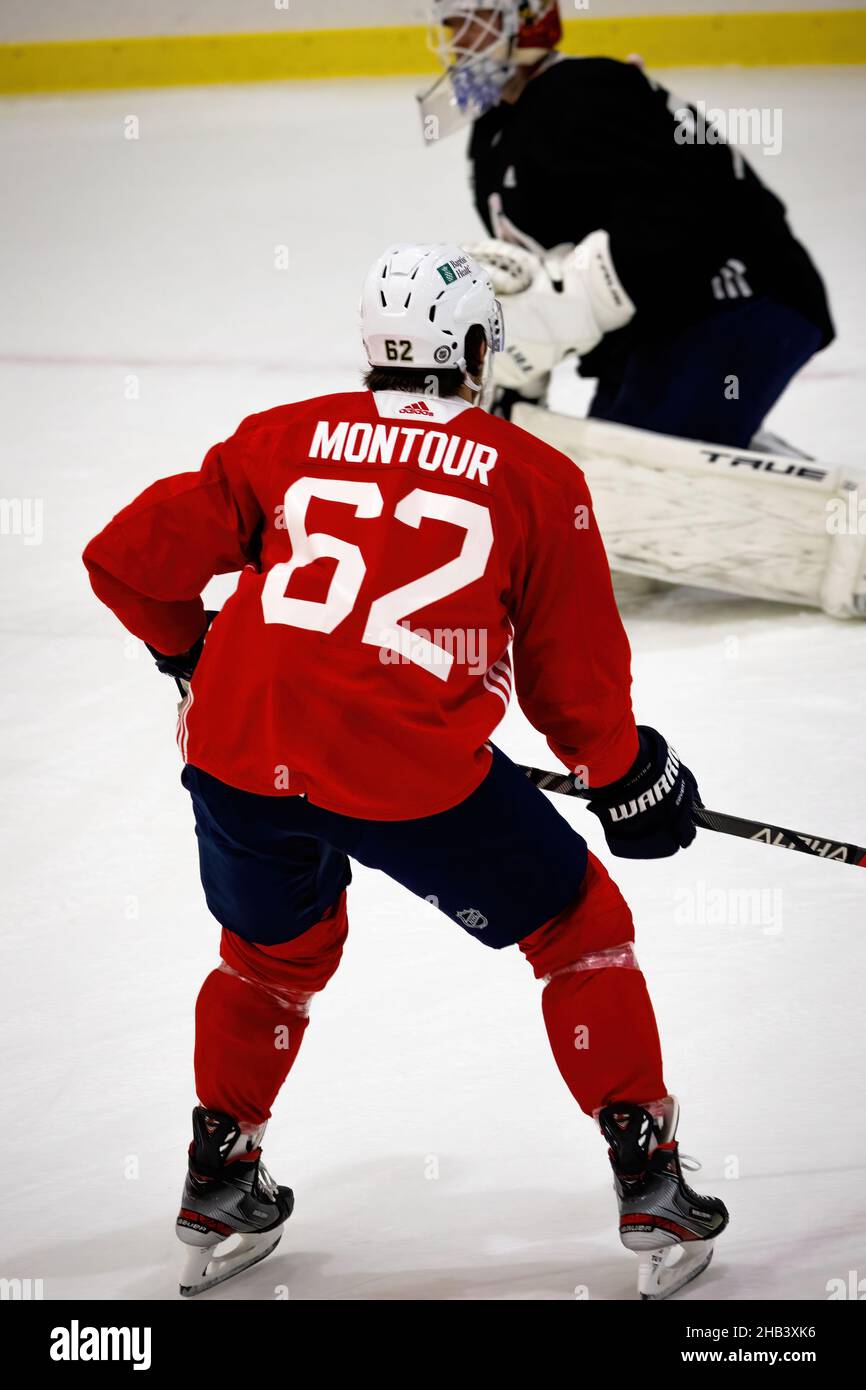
660 1217
228 1193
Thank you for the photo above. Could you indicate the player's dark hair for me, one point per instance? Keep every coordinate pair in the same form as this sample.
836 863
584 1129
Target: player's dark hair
427 381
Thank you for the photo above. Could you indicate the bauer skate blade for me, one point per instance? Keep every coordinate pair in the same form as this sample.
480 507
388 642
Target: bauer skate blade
205 1266
664 1272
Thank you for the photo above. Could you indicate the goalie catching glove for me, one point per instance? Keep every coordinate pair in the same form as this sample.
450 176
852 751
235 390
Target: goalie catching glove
562 302
648 813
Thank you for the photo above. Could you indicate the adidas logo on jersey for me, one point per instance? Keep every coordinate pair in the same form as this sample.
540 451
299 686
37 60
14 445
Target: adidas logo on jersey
731 282
417 408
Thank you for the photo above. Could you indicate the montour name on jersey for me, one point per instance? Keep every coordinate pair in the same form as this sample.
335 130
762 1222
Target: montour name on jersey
433 450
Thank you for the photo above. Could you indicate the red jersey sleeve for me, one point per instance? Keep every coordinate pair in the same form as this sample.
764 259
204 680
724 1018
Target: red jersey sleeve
152 561
572 661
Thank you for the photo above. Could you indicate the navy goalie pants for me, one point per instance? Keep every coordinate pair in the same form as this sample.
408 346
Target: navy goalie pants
500 864
715 380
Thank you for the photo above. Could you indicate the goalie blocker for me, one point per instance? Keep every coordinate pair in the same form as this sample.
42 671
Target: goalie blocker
737 520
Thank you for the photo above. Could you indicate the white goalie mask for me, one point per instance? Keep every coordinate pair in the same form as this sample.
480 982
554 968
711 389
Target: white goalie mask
419 302
480 44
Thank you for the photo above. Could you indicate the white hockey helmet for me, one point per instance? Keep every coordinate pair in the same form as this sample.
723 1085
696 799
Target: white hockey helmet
418 304
481 43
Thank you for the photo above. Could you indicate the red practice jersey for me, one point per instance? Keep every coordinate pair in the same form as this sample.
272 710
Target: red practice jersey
396 550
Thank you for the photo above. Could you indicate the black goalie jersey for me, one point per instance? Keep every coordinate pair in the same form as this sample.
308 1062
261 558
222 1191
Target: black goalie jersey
593 143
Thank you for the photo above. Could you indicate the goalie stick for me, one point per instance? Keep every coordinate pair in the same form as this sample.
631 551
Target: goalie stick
566 785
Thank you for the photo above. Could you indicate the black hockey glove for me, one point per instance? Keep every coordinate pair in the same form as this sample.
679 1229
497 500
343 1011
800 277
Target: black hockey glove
182 666
648 813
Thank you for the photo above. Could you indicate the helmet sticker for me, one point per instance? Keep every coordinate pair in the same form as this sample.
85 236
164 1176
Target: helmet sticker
454 269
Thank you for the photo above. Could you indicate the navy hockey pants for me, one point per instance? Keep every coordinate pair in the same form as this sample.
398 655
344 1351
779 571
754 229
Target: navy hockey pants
715 380
500 864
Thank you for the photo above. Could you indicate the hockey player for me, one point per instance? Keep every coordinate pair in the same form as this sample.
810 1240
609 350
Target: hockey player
626 230
333 712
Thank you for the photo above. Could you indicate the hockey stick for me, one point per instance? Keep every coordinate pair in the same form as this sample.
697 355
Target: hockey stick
566 785
761 831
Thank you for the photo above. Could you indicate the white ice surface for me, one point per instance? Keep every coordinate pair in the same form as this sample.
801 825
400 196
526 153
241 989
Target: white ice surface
151 262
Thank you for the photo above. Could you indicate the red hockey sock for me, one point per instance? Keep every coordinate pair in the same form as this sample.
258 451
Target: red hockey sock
251 1016
596 1007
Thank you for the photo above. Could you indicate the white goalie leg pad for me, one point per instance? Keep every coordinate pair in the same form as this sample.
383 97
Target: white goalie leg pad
737 520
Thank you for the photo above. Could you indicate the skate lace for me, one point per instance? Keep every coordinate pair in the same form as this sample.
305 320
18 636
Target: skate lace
266 1182
691 1165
